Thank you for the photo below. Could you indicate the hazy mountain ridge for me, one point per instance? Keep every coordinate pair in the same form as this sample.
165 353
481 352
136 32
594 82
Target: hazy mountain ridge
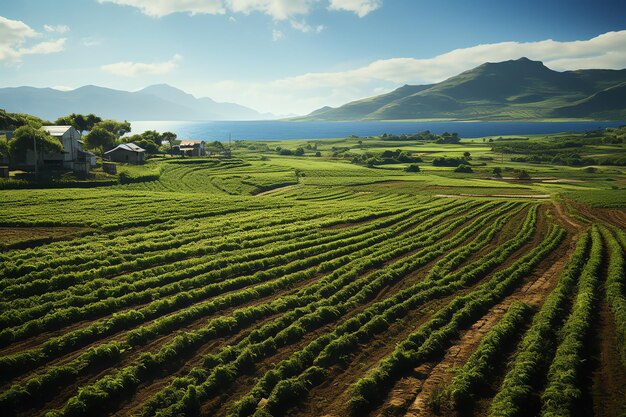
156 102
511 90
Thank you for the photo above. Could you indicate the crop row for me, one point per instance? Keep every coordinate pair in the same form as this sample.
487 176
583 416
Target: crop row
347 276
49 283
563 380
370 321
361 260
476 372
246 261
433 337
291 273
289 259
113 248
273 336
615 287
537 347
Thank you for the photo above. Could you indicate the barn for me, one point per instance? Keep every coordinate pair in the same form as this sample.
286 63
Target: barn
71 157
128 153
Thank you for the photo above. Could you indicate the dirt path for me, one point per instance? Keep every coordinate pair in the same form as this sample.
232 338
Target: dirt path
608 378
561 215
436 376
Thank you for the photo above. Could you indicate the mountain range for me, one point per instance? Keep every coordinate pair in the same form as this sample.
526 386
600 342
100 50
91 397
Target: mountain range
156 102
511 90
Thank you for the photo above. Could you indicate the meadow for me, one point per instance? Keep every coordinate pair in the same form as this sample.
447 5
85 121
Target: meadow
320 283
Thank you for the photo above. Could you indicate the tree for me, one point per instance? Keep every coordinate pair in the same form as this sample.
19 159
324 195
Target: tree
299 152
169 137
11 121
412 168
466 169
318 153
148 145
467 155
523 175
119 129
153 136
497 172
100 138
4 147
219 146
80 122
25 137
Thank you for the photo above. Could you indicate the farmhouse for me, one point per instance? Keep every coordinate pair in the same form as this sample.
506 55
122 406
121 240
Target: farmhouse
127 152
72 157
192 147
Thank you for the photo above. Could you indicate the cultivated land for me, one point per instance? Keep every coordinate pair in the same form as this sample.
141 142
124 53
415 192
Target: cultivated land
285 285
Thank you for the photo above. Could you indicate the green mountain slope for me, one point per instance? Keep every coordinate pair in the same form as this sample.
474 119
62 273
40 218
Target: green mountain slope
362 108
609 104
512 90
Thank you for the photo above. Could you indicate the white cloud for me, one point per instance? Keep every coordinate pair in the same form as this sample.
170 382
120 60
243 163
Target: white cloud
277 9
304 27
133 69
306 92
57 28
48 47
160 8
277 35
360 7
15 34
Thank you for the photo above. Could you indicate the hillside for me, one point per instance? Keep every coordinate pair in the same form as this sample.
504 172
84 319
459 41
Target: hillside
512 90
157 102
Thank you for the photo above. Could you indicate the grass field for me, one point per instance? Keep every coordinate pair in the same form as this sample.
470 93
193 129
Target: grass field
277 285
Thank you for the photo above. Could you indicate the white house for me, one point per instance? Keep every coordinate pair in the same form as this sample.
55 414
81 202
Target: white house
72 156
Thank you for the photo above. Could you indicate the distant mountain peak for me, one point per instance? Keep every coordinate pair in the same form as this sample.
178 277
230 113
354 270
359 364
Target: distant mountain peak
163 87
509 90
155 102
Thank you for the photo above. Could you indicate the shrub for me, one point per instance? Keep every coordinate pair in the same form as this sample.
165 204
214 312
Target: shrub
465 169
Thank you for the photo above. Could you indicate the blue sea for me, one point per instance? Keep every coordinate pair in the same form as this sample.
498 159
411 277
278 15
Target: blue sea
281 130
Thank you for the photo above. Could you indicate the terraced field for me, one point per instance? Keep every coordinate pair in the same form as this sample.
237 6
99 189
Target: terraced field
246 288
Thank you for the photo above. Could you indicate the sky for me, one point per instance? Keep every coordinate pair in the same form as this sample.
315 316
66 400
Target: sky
294 56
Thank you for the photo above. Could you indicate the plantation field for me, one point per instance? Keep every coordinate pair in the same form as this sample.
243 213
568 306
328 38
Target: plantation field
282 285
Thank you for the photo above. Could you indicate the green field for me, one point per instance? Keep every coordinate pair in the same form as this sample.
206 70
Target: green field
322 284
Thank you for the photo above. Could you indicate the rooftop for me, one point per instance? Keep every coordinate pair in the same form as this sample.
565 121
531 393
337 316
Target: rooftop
127 147
187 142
56 130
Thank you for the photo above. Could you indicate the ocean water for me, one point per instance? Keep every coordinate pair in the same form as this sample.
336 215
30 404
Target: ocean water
281 130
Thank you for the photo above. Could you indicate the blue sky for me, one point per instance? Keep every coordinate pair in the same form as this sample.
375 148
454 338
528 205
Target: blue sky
293 56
